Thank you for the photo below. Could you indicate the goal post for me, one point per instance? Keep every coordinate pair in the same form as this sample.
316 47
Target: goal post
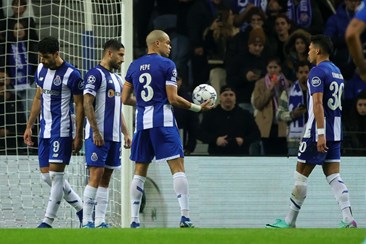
82 27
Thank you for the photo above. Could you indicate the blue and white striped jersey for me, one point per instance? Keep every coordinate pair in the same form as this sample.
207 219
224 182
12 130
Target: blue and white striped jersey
326 78
58 87
149 76
106 87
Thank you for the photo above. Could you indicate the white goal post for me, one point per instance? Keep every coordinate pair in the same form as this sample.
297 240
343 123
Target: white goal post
82 27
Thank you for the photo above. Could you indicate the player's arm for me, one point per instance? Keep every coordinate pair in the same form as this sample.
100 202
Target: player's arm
127 97
78 141
35 111
178 101
90 114
126 135
353 33
319 119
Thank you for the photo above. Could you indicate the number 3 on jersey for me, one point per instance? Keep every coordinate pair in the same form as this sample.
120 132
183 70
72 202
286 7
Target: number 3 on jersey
147 93
337 89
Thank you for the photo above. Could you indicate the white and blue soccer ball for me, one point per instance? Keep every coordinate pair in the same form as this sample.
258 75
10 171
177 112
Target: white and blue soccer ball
204 92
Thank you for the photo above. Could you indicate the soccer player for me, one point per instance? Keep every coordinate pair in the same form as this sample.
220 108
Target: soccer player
354 30
321 142
102 106
153 79
59 85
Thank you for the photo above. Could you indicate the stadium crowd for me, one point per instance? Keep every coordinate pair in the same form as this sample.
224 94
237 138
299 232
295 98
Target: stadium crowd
240 44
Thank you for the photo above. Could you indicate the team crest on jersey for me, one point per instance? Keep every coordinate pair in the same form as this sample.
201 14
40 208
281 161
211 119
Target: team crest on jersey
94 157
315 81
57 80
91 79
110 93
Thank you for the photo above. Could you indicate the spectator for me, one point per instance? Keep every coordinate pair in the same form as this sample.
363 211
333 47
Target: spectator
241 11
187 121
239 44
283 29
243 70
355 127
12 120
200 16
306 14
21 63
296 50
265 99
228 129
335 28
292 108
216 41
352 88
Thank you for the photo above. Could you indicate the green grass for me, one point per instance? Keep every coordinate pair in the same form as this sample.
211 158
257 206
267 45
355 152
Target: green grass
176 236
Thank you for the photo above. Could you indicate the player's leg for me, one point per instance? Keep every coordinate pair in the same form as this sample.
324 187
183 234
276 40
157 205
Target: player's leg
95 161
56 153
113 162
137 191
299 191
305 165
331 169
168 146
70 195
56 194
101 199
142 153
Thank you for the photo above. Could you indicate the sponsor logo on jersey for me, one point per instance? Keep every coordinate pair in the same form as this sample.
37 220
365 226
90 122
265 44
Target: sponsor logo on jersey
315 81
57 80
51 92
112 93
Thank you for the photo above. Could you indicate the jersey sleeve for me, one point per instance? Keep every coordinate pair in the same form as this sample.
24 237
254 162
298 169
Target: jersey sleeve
316 80
361 11
128 77
93 80
76 83
36 75
171 74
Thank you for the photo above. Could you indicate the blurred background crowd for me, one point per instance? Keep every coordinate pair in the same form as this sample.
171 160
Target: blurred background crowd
253 52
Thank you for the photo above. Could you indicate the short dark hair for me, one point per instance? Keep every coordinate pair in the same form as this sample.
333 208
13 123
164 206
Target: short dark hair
301 64
324 42
48 45
225 88
113 44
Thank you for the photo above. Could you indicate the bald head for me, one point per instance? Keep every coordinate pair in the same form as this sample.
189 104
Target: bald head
156 35
158 42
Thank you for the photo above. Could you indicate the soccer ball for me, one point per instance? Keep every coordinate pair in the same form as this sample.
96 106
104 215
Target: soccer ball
202 93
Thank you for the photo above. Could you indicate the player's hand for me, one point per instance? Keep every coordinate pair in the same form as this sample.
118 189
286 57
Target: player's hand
98 139
222 141
27 137
77 144
322 144
239 141
128 142
207 105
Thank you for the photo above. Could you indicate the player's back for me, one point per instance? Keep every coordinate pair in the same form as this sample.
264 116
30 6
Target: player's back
327 78
149 75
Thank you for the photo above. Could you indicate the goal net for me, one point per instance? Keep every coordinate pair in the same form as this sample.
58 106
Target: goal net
82 27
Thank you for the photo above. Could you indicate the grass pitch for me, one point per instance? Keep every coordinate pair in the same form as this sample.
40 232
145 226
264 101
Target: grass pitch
177 236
